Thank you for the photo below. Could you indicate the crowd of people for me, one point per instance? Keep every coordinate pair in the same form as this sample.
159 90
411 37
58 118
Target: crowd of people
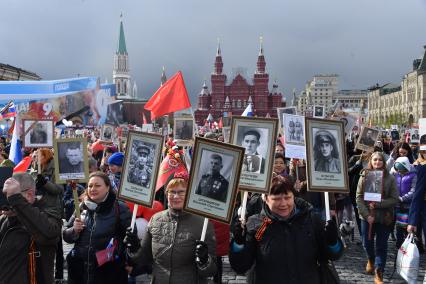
283 232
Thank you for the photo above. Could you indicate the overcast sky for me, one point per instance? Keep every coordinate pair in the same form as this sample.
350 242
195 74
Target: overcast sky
364 41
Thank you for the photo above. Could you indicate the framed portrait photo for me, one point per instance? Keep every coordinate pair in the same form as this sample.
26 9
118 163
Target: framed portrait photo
226 132
71 162
294 133
319 111
184 130
258 136
414 135
373 186
284 110
327 167
108 132
38 133
367 139
214 177
140 167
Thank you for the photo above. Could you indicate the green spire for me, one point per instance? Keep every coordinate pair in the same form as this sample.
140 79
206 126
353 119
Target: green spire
122 40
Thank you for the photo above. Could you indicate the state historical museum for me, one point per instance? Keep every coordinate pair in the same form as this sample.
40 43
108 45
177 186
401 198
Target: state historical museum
226 100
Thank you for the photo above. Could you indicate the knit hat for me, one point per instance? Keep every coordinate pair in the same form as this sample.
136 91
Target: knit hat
116 159
402 164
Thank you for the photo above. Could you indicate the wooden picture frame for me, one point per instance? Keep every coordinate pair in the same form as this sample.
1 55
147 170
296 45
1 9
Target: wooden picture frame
284 110
214 177
140 168
259 157
183 130
38 133
71 160
367 139
326 161
108 132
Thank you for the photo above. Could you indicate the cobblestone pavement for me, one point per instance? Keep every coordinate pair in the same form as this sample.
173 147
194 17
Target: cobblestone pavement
351 267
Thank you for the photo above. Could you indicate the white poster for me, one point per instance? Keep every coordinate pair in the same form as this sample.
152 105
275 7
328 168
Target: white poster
294 133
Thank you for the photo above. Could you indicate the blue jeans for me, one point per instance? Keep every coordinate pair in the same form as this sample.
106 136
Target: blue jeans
381 233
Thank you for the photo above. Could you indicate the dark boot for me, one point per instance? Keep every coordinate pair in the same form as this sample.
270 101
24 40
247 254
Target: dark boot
378 277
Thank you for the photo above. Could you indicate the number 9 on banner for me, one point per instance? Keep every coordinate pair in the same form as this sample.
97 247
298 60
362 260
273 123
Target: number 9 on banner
47 108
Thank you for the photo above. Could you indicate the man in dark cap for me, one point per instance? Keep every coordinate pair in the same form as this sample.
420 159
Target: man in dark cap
326 155
213 184
140 173
253 161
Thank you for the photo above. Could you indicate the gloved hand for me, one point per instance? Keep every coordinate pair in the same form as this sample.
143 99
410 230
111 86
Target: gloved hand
131 240
331 234
201 252
239 233
40 183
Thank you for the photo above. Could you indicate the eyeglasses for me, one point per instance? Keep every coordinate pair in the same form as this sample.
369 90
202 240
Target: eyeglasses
178 193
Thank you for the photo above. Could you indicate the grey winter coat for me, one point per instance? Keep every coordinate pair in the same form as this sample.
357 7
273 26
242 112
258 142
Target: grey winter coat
169 245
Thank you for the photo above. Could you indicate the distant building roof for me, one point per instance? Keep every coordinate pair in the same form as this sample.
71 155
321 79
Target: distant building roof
12 73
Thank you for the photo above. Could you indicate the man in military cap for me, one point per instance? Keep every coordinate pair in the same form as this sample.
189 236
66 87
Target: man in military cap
140 173
326 155
213 184
255 163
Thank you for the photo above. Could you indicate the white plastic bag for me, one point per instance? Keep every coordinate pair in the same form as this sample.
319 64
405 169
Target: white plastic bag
407 261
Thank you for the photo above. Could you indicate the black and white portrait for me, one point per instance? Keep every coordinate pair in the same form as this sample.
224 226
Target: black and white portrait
319 111
326 158
141 162
38 133
184 129
140 167
71 160
254 140
415 136
373 186
294 129
367 139
326 151
285 110
107 132
213 179
216 169
115 113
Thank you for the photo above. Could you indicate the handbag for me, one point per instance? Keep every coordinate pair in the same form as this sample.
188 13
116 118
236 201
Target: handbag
407 260
328 273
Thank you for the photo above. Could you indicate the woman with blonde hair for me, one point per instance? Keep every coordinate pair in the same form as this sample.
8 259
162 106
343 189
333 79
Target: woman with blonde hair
172 241
377 217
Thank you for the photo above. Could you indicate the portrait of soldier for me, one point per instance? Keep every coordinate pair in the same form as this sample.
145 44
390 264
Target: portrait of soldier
251 141
140 172
299 131
213 184
367 139
107 133
184 132
415 135
326 155
319 111
71 158
38 134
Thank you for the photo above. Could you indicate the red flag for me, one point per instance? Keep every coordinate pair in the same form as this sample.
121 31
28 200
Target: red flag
170 97
220 124
169 166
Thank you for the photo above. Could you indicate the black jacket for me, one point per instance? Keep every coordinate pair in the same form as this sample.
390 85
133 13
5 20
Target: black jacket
288 251
33 221
107 221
